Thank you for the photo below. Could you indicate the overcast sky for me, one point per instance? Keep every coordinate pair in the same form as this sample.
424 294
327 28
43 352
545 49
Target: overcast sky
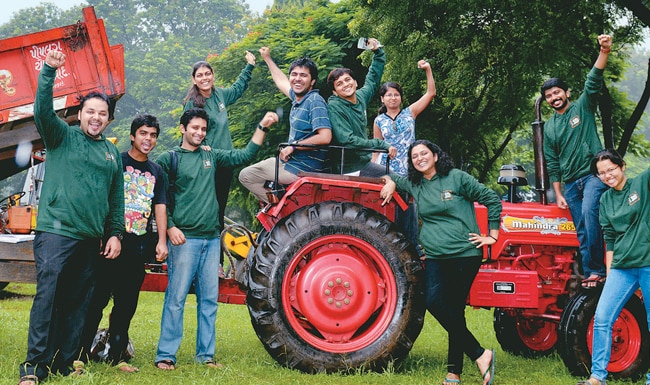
11 6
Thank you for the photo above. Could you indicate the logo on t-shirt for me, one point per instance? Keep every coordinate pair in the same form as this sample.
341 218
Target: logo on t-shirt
633 198
138 196
207 163
574 121
110 156
446 195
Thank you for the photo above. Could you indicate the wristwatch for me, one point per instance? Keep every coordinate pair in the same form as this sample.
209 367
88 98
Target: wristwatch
265 129
119 236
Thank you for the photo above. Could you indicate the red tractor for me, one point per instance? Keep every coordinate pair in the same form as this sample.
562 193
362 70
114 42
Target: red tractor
330 282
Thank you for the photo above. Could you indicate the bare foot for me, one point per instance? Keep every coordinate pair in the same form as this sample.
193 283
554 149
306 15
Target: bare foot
125 367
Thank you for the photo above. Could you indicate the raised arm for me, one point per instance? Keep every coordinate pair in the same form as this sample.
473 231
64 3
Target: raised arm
280 79
425 100
605 42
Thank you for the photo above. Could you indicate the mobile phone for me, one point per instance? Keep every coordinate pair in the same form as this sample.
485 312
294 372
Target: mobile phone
363 43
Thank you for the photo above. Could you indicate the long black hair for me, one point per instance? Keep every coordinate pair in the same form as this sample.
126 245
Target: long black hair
443 164
193 93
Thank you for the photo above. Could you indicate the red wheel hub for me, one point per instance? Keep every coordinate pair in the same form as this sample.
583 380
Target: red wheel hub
339 293
537 334
626 341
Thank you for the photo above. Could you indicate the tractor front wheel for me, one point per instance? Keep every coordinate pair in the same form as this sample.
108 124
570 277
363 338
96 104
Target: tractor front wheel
630 337
335 287
528 337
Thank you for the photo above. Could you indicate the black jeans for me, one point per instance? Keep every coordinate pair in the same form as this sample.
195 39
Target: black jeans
64 286
448 283
121 278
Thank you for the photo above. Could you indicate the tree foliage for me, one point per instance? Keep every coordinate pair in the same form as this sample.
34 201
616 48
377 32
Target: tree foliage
489 59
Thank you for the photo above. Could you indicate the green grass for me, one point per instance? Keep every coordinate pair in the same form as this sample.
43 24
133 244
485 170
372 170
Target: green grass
246 361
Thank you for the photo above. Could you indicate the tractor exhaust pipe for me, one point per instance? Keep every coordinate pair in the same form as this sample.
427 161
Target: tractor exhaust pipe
538 145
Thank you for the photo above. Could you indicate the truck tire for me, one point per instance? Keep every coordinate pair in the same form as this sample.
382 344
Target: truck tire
523 336
334 287
630 338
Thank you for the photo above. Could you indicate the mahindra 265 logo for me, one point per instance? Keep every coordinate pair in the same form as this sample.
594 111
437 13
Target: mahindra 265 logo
538 224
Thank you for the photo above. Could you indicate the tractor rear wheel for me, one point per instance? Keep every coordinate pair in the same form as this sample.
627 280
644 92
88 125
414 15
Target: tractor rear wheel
335 287
523 336
630 337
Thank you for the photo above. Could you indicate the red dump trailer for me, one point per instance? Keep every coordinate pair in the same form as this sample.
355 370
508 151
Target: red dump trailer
92 65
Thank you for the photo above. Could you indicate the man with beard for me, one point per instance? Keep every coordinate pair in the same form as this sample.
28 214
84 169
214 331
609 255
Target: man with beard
82 200
308 124
570 142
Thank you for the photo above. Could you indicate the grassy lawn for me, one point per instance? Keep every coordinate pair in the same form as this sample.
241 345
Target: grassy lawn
246 361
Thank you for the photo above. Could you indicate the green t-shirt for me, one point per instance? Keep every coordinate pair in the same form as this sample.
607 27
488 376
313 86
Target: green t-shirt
83 188
196 211
349 121
446 208
625 219
571 139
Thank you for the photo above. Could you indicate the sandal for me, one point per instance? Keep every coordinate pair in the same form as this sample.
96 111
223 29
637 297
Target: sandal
451 381
211 364
588 382
28 379
593 282
126 368
490 369
165 364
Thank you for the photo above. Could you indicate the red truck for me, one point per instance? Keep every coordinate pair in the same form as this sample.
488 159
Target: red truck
331 284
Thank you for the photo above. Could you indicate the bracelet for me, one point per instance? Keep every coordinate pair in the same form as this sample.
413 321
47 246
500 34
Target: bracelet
265 129
496 240
605 50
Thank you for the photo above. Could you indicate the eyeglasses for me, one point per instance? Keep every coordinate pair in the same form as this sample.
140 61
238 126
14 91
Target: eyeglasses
610 171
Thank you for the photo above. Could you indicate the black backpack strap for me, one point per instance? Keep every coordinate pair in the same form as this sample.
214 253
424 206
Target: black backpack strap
173 170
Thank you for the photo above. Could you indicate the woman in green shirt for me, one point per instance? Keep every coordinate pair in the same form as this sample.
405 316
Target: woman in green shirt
624 213
452 244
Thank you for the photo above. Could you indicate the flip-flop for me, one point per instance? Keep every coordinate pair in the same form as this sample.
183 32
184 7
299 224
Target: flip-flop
450 381
592 282
168 364
28 378
491 369
212 364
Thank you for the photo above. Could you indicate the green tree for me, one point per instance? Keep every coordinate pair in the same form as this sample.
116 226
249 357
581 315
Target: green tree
162 39
314 28
489 59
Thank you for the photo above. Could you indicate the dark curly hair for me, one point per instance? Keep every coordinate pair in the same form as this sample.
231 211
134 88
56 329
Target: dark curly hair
443 164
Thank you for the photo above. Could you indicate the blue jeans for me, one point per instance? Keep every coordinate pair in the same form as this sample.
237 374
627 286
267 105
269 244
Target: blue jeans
583 197
196 261
619 287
